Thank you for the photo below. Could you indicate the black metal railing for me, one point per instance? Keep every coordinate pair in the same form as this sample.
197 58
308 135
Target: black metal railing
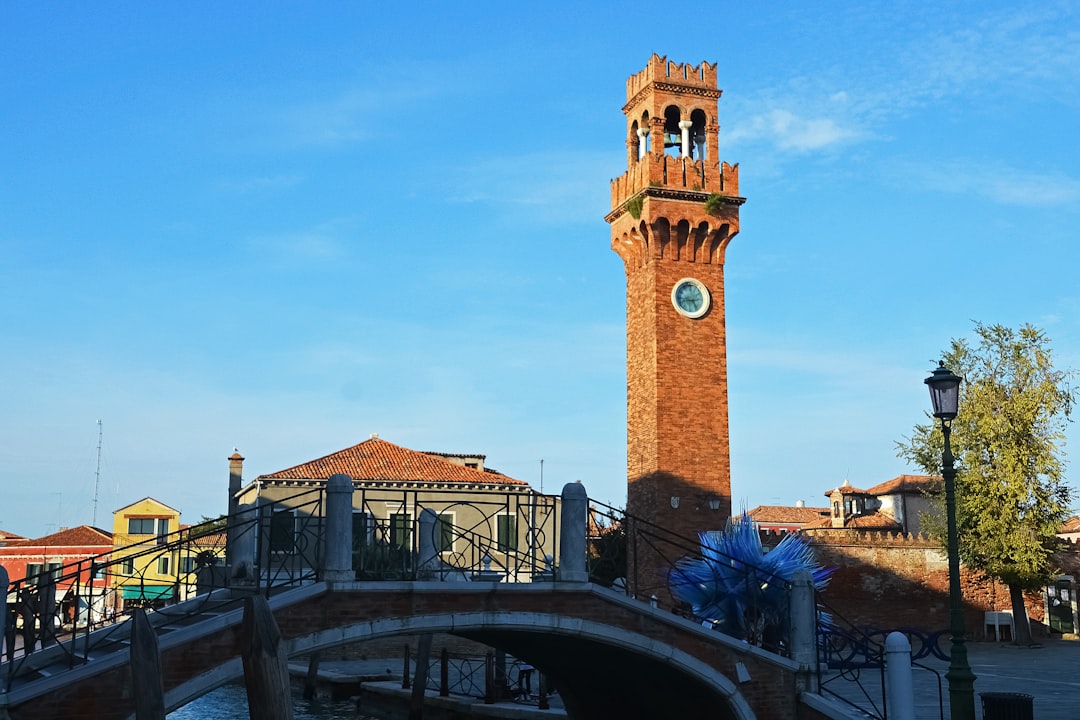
73 612
851 661
512 537
493 677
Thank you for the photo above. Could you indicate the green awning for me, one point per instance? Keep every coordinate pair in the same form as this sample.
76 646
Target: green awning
148 592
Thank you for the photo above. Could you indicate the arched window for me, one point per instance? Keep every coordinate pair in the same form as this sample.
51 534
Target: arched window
697 135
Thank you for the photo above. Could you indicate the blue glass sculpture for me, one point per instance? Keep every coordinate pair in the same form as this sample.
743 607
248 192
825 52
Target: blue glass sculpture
738 588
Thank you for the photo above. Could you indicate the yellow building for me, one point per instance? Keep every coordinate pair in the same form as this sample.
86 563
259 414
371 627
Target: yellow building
145 570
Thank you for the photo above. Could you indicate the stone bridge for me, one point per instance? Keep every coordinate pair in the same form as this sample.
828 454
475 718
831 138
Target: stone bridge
608 654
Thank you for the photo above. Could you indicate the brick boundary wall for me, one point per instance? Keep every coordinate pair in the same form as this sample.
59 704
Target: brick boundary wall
885 580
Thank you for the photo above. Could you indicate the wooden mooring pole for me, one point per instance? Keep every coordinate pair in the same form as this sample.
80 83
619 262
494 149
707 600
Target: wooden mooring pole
311 680
266 668
423 656
146 684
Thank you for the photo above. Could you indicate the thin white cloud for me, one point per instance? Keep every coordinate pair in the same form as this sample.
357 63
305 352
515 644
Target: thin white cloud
997 182
574 183
788 131
259 185
1019 55
324 242
344 119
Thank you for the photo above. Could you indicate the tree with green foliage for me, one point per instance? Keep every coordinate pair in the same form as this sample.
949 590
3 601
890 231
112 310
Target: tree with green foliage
1011 495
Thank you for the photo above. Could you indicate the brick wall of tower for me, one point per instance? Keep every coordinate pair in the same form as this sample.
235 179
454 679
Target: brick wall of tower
678 436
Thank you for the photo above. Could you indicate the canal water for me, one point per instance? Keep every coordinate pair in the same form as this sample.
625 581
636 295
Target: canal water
229 702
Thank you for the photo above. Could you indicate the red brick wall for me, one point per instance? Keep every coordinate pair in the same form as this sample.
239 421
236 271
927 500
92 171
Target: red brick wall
888 581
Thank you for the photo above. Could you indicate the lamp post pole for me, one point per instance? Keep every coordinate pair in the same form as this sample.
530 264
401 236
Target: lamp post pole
961 679
944 393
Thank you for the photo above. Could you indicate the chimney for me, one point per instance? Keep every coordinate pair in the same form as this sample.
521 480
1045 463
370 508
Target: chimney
236 478
800 503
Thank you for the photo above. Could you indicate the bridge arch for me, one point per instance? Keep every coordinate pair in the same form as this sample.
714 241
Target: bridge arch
555 644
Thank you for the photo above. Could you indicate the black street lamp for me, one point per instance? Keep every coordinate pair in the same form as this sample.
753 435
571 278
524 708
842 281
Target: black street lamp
945 395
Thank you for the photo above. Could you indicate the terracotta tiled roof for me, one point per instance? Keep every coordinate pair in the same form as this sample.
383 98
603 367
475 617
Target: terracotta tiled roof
908 484
1071 525
377 459
873 521
846 489
82 535
786 514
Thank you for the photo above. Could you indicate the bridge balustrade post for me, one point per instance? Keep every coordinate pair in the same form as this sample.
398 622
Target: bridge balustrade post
899 690
338 534
242 539
47 610
428 561
572 534
803 615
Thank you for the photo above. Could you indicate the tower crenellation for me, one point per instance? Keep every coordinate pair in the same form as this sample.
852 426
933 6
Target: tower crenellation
660 69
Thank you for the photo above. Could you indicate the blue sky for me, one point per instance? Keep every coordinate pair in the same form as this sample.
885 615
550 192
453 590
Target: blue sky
282 227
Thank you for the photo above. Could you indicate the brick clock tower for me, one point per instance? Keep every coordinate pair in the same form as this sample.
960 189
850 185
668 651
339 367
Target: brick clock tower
672 216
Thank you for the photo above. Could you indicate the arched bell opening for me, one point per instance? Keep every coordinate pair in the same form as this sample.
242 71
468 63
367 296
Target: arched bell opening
698 121
673 140
642 133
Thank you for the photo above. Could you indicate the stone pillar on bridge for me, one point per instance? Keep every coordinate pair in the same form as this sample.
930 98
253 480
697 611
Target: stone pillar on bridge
338 535
428 562
572 531
804 631
243 570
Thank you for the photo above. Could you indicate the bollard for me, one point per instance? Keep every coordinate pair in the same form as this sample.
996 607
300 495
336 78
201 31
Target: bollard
572 547
899 691
338 535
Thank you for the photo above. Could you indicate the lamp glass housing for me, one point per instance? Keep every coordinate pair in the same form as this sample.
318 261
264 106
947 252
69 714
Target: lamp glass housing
944 392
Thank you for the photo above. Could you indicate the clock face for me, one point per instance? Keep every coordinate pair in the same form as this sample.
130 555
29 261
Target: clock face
690 298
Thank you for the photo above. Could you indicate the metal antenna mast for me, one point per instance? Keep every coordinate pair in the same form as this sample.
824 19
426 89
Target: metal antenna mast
97 475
